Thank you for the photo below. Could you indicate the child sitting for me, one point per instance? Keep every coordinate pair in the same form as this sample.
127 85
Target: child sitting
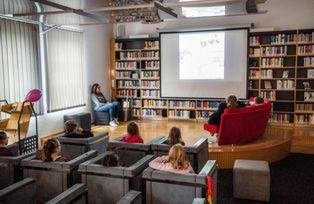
111 160
51 151
175 137
133 135
175 162
72 130
215 118
4 151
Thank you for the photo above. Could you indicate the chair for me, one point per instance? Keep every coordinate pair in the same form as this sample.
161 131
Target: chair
170 188
111 183
10 167
73 147
130 152
102 118
54 177
197 153
83 120
21 192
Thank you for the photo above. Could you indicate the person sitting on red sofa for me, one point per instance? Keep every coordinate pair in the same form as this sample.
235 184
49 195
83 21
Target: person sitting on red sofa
214 118
257 101
133 135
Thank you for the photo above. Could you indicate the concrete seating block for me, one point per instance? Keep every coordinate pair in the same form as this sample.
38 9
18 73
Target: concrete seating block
10 167
132 197
169 188
131 152
21 192
74 147
77 194
52 178
110 184
251 180
83 120
197 153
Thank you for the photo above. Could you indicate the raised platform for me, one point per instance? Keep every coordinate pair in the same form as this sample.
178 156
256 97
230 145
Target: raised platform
273 146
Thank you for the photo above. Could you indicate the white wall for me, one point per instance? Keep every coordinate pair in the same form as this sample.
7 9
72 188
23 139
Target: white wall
97 59
282 14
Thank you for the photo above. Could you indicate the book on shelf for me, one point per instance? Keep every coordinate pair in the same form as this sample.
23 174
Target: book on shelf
305 107
267 85
285 84
254 52
279 118
308 62
306 49
306 85
308 96
310 73
254 40
285 74
305 119
274 51
306 37
269 95
272 62
283 39
253 63
267 74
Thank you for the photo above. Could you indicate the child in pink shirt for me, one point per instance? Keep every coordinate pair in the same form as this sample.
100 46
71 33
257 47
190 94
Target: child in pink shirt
175 162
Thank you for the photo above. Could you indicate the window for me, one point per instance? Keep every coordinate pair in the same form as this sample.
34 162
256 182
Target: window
64 69
19 69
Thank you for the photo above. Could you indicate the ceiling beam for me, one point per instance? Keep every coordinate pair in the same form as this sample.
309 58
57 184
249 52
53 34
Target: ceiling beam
100 18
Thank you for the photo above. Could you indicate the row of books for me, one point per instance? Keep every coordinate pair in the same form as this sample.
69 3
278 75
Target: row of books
254 52
136 103
306 37
128 84
269 95
151 112
283 39
147 45
305 119
179 113
308 96
254 40
285 84
272 62
136 112
256 74
271 51
129 55
203 114
123 74
151 45
148 74
208 104
129 93
280 118
306 49
154 103
126 65
152 64
150 54
181 104
308 61
150 93
305 107
151 84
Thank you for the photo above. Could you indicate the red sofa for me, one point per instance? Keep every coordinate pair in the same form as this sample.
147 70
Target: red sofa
241 125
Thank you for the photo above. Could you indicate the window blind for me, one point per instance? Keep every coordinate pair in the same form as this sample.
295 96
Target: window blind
64 69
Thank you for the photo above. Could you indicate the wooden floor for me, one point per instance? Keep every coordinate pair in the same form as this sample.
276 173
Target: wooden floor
276 143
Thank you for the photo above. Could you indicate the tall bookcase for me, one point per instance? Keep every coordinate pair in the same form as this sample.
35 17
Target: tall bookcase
135 74
281 69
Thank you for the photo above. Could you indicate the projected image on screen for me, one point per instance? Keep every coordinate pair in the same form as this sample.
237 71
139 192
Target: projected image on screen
202 55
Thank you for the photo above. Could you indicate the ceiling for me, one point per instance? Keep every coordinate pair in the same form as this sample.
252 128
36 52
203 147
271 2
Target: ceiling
80 12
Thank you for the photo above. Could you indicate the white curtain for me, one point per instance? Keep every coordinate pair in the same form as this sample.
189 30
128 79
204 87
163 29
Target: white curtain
19 66
64 69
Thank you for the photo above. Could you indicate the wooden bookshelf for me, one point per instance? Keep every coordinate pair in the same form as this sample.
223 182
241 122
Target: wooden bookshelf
278 70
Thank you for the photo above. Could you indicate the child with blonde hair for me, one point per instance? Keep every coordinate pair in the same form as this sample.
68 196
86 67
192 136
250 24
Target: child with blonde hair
175 162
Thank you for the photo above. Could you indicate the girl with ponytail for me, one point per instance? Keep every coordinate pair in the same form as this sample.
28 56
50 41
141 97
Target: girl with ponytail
51 151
